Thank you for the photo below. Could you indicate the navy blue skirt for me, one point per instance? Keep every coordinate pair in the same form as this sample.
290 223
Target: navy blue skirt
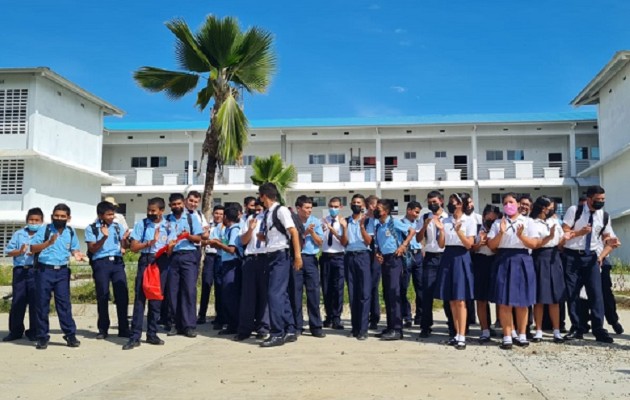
455 277
482 266
550 287
514 282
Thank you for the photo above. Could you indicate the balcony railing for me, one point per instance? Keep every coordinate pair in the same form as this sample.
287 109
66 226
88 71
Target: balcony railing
523 170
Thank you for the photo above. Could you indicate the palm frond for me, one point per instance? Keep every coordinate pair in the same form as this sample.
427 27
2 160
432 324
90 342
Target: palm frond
272 170
175 84
234 126
256 61
187 52
204 96
216 39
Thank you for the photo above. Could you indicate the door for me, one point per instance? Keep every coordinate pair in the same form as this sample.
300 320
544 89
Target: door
555 160
390 164
461 163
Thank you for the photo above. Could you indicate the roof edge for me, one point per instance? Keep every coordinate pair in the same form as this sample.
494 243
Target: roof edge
590 94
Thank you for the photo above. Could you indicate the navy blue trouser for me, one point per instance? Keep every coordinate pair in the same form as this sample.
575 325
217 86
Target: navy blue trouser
182 289
392 273
359 267
281 318
332 269
610 304
219 318
207 278
405 279
430 272
47 282
582 270
105 271
307 277
253 312
140 300
231 291
23 286
416 279
375 300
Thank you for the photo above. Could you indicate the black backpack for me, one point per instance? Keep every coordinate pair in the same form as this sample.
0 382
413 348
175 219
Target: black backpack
94 228
578 214
46 237
299 226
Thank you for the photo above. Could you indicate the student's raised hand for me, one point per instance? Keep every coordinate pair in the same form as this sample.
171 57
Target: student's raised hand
343 222
24 249
379 258
483 238
519 230
78 256
310 229
552 232
586 230
104 230
458 226
503 225
251 223
126 234
52 239
438 222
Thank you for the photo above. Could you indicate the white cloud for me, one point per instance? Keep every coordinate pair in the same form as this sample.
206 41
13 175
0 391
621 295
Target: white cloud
398 89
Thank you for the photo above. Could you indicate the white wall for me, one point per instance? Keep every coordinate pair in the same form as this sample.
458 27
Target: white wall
17 82
614 114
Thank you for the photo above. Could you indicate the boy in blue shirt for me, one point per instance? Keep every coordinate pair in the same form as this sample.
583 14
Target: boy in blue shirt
23 284
105 240
55 243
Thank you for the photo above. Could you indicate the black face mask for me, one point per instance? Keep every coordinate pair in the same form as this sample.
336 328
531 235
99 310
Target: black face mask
251 211
451 208
433 207
470 210
550 214
377 214
487 223
177 211
356 209
59 224
598 205
152 217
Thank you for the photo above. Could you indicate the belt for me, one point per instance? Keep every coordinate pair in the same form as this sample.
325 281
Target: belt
308 255
416 251
109 258
580 252
256 256
54 267
430 253
24 267
277 251
357 251
332 255
184 251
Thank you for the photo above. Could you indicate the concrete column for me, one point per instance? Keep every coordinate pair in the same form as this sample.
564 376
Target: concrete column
283 146
379 164
191 158
474 154
572 166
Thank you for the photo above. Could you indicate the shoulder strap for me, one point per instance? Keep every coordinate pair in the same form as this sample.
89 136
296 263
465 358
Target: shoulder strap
606 220
94 230
190 224
578 214
145 221
275 221
47 233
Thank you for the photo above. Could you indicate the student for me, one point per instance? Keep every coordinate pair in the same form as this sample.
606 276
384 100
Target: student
375 303
514 283
546 237
525 204
331 263
193 199
249 209
357 259
455 279
148 236
105 239
55 243
211 262
610 304
308 276
413 271
183 271
23 283
392 240
231 267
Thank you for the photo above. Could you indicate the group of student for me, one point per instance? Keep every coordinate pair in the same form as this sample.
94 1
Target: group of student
262 256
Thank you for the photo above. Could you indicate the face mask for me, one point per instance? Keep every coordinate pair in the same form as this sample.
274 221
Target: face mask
433 207
451 208
510 209
356 209
333 212
59 224
550 214
598 205
152 217
377 214
177 211
487 223
251 211
33 227
470 210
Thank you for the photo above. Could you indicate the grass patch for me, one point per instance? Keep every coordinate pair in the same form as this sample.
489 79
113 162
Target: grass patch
6 275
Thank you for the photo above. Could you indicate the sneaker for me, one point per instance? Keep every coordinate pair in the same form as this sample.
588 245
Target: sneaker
42 344
172 331
373 326
153 340
131 344
618 328
190 333
362 336
101 335
72 341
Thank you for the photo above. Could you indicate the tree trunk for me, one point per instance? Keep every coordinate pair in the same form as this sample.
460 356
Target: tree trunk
211 148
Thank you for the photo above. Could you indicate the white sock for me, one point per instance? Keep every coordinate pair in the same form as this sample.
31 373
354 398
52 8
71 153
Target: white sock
461 338
556 333
539 334
522 338
507 339
485 333
514 334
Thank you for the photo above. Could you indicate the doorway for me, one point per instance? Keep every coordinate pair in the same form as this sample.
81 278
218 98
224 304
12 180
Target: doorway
461 163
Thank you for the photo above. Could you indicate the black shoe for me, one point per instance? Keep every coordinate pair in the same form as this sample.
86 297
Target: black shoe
101 335
239 337
484 339
618 328
31 338
290 337
383 332
373 326
227 332
574 335
536 339
522 343
10 338
318 333
201 320
72 341
425 333
452 342
362 336
131 344
124 334
604 338
327 323
563 329
262 336
407 324
558 340
42 344
217 327
460 346
506 346
153 340
392 335
338 326
172 331
190 333
529 335
273 341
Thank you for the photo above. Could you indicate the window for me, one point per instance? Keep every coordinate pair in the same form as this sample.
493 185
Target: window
216 201
496 198
194 165
595 153
11 176
410 155
515 155
409 197
122 208
344 201
138 162
440 154
157 162
13 107
581 153
319 201
337 158
317 159
6 231
494 155
248 160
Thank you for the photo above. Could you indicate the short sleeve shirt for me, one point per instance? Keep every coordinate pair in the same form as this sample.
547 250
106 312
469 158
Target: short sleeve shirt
59 252
276 240
19 239
310 247
390 234
179 226
579 242
509 240
469 227
144 231
111 247
355 239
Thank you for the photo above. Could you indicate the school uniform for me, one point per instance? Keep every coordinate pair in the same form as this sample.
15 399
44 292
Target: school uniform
307 277
144 231
52 275
412 273
108 266
550 287
332 271
182 275
455 277
610 304
514 280
231 279
482 265
375 271
23 287
210 261
581 269
358 262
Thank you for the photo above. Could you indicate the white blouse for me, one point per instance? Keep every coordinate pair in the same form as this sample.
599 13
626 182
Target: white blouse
540 229
469 228
509 240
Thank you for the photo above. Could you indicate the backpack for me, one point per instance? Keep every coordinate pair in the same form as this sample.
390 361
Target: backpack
299 226
94 228
578 214
46 237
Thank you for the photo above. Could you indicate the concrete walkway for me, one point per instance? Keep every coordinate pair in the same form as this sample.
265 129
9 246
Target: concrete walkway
336 367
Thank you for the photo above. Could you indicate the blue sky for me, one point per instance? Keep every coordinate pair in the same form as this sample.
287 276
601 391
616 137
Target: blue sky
343 58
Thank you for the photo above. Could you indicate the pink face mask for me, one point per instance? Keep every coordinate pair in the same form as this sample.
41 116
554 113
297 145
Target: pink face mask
510 209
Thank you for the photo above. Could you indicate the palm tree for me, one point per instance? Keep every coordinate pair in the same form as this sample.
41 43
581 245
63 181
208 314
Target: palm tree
272 170
225 59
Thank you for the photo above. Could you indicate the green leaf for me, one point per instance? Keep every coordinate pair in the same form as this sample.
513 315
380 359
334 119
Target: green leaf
204 96
216 38
272 170
233 130
187 52
174 84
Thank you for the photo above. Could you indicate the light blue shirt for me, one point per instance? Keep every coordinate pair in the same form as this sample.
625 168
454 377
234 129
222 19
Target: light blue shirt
390 235
355 239
231 237
19 239
310 247
111 247
144 231
178 226
413 245
60 251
